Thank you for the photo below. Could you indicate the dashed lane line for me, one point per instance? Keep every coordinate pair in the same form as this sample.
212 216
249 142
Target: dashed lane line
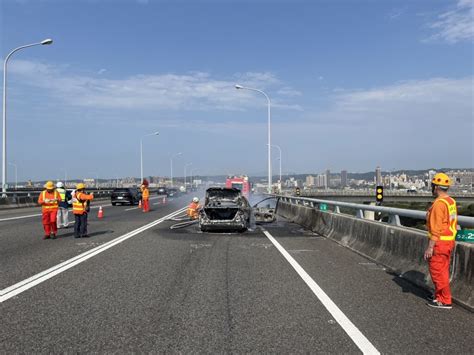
352 331
24 285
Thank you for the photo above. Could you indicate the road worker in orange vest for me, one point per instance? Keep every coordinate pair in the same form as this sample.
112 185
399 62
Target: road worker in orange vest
193 209
145 196
441 221
80 208
49 200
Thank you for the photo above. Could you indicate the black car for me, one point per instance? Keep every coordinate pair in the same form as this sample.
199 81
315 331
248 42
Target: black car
131 196
162 191
173 192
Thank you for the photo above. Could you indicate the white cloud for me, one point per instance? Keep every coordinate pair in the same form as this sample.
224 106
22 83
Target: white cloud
190 91
455 25
419 102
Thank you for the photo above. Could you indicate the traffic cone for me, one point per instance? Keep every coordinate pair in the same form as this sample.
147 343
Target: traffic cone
140 204
164 200
100 214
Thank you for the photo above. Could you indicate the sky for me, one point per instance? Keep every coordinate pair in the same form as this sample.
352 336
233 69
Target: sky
353 84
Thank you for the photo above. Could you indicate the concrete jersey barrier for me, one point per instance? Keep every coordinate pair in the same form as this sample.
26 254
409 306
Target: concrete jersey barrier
400 249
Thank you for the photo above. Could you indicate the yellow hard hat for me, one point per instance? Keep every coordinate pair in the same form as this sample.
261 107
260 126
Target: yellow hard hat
49 185
80 186
441 179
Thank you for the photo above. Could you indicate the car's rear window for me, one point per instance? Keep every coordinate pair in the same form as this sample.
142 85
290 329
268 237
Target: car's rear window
121 190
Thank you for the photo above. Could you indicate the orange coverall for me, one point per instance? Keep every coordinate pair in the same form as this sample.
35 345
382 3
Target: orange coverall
50 211
145 199
193 210
440 224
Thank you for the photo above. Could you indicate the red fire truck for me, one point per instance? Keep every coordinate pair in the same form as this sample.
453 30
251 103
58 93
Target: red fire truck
239 182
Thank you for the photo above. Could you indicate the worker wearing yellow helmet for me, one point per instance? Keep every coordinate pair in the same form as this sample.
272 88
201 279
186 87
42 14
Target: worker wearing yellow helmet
80 208
49 200
441 221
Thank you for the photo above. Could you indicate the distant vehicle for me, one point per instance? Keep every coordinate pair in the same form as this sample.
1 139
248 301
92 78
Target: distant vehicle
173 192
131 196
225 209
412 190
162 191
239 182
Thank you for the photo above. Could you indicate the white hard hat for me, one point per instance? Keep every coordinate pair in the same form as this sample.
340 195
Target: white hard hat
195 199
59 184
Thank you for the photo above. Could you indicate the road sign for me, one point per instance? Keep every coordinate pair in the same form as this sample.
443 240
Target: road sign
323 207
465 235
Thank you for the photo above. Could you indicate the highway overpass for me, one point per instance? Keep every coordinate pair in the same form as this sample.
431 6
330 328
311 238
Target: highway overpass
137 286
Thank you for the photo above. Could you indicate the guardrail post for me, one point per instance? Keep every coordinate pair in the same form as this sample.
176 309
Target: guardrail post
394 219
337 209
360 214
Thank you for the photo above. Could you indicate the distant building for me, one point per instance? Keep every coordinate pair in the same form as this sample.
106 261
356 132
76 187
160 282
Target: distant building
309 181
328 178
321 181
378 176
344 178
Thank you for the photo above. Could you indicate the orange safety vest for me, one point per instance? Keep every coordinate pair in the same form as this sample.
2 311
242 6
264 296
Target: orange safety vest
449 234
78 206
49 206
145 193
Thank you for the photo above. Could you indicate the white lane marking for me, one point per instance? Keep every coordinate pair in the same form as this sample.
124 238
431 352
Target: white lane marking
20 217
352 331
133 208
39 214
32 281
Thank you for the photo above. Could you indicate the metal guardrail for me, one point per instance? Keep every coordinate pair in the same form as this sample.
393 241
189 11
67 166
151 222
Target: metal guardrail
393 213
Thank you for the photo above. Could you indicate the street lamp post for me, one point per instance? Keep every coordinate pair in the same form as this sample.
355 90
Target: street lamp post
16 175
185 166
192 176
171 166
4 153
240 87
141 152
277 146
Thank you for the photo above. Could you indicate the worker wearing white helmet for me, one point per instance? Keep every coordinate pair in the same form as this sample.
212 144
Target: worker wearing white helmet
63 213
193 209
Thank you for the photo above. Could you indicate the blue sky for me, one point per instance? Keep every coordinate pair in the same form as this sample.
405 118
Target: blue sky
353 83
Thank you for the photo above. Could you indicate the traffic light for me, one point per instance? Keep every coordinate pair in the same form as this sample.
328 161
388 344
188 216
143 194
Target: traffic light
297 190
379 194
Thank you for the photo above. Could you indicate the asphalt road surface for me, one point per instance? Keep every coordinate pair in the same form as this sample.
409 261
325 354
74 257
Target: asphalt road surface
137 286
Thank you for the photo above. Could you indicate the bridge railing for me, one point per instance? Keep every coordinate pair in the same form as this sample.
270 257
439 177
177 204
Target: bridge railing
394 214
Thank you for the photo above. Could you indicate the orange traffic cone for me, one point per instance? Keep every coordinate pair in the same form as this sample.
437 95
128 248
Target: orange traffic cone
140 204
100 214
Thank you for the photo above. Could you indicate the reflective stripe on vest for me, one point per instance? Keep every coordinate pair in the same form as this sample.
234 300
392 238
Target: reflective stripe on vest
62 193
77 205
450 233
50 205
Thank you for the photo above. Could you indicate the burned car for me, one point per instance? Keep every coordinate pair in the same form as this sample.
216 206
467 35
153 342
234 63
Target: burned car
225 209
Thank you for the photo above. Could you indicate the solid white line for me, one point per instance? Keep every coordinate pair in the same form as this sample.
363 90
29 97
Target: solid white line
133 208
354 333
20 217
32 281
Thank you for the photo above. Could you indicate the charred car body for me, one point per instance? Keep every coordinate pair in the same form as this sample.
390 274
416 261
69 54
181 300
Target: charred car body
225 209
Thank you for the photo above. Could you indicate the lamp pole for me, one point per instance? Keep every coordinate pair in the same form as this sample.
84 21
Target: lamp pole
240 87
279 149
192 175
185 166
141 152
4 153
171 165
16 175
